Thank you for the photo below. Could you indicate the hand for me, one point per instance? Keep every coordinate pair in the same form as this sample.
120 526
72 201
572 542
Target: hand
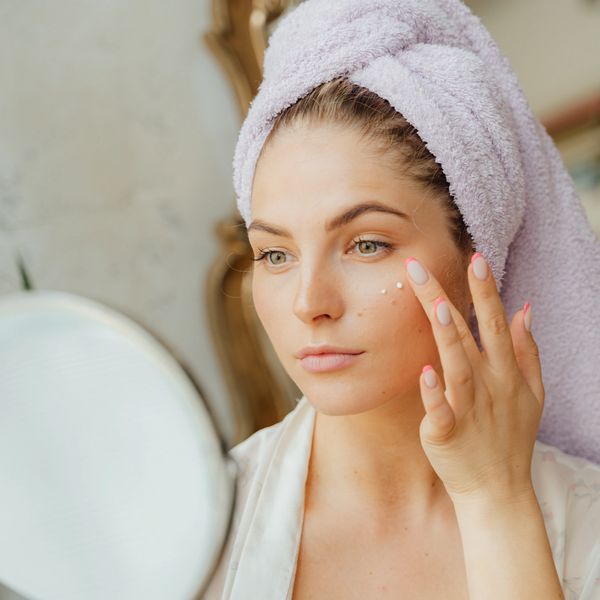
479 433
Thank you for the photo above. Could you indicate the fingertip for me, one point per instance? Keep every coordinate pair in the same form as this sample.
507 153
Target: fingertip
429 377
479 266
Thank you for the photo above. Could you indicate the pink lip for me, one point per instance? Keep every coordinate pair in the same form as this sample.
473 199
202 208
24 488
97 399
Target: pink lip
319 363
325 349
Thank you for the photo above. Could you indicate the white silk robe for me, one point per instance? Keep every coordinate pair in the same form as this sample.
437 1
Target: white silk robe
259 560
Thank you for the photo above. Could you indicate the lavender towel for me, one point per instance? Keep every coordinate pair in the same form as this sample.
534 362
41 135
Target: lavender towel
436 63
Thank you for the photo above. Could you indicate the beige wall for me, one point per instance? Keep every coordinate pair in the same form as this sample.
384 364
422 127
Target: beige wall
117 130
553 46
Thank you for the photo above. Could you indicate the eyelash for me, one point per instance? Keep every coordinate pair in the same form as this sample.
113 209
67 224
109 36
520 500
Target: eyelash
386 248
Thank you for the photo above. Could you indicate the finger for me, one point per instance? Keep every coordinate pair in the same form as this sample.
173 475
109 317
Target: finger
527 352
427 292
494 329
439 421
457 367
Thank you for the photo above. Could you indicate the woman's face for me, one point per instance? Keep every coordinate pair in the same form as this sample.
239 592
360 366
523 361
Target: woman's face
320 284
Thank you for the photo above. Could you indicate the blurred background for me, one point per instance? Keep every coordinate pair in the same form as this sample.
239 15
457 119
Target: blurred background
118 122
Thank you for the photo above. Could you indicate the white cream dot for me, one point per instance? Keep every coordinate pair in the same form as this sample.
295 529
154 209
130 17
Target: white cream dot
399 284
384 291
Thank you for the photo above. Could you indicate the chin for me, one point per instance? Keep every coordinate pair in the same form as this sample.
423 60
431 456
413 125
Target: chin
339 399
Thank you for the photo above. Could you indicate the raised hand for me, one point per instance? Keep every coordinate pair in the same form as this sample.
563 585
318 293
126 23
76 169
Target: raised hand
479 432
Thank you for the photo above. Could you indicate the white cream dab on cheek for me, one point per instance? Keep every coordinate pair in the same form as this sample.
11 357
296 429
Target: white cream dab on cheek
399 285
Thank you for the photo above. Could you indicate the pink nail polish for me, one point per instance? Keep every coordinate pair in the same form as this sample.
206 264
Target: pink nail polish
442 310
527 316
429 376
480 268
416 271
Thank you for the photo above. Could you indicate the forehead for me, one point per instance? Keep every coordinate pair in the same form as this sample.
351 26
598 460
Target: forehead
326 167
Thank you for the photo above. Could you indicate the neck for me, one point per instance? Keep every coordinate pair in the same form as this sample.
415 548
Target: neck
374 462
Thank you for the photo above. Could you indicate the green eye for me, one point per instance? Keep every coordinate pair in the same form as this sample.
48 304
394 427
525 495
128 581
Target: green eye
369 245
268 253
277 252
366 247
366 244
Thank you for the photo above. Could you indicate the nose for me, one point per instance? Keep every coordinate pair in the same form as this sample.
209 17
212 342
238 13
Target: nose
318 295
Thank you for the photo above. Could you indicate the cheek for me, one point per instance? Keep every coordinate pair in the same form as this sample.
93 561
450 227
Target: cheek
395 329
264 304
399 316
272 306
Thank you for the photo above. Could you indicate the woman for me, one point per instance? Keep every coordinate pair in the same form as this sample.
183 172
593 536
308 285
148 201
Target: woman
385 269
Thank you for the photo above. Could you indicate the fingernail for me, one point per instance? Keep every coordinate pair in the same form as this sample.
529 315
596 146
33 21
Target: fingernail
527 316
480 267
417 273
442 311
429 376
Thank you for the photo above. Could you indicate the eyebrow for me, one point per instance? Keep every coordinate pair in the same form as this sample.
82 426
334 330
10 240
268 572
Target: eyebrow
336 222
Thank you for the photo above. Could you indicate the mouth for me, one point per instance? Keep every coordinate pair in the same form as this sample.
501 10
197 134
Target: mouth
329 361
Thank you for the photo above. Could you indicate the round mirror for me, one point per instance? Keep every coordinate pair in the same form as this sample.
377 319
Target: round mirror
114 483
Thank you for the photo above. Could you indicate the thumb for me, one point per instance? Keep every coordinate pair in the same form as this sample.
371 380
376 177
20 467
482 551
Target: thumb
527 351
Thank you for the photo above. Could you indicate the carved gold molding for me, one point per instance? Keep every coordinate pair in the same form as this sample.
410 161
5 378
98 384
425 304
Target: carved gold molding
261 392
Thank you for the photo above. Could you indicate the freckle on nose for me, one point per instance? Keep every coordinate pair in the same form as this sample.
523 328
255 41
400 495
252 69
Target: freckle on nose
360 314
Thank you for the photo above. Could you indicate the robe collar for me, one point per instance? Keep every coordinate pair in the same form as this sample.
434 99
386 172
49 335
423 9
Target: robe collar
266 549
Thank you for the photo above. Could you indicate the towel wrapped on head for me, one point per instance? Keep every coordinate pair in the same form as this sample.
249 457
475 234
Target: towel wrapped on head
435 63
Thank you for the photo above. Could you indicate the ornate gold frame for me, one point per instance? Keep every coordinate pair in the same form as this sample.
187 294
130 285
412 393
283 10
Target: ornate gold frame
260 390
